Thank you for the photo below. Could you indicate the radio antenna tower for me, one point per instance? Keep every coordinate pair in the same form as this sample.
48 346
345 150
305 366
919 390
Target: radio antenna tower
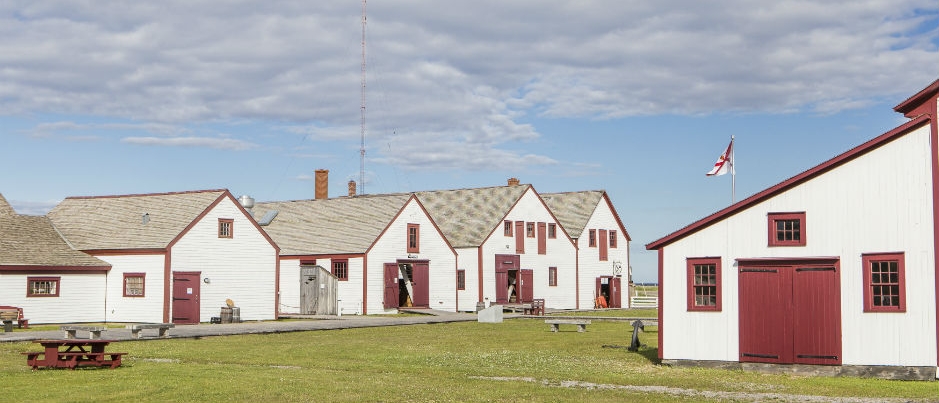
362 109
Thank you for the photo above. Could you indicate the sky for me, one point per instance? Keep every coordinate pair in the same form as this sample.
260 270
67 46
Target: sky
638 98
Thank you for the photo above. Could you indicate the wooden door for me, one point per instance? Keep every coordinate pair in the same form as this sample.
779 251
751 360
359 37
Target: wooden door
186 288
392 292
616 298
542 238
526 288
309 284
765 315
420 279
816 322
603 240
503 264
519 237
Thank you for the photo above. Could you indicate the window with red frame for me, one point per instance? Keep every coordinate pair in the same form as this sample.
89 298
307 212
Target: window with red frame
530 230
341 269
461 279
134 284
552 230
507 229
884 282
225 227
593 238
786 229
414 238
552 276
612 238
42 286
704 284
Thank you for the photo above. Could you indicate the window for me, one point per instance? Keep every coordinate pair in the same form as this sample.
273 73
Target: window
414 238
884 288
341 269
552 276
134 284
593 238
612 238
786 229
225 227
42 286
704 284
507 229
552 230
461 279
530 230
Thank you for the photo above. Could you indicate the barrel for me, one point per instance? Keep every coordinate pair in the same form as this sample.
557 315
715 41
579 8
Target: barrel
236 314
226 314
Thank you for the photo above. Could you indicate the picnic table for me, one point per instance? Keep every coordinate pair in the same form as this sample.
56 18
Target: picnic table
73 353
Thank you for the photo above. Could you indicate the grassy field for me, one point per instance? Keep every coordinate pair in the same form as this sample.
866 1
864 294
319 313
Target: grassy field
518 360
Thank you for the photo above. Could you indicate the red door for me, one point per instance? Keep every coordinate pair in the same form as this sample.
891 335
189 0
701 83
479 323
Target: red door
817 323
186 297
391 285
420 279
503 264
542 238
603 240
526 289
519 237
765 315
616 299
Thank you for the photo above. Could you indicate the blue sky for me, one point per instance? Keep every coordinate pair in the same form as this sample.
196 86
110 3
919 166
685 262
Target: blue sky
637 98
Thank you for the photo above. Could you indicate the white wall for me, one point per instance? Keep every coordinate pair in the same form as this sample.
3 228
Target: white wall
242 268
81 298
392 245
560 253
148 308
467 260
880 202
592 267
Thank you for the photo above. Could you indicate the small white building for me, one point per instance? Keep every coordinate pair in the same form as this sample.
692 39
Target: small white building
836 266
174 257
43 275
602 245
511 247
384 250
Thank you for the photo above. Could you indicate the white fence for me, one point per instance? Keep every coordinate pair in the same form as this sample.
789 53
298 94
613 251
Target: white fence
644 302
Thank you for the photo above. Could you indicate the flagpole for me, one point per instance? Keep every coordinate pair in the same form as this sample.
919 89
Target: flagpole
733 172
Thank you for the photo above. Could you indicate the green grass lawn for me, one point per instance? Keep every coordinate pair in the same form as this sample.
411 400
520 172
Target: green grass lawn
518 360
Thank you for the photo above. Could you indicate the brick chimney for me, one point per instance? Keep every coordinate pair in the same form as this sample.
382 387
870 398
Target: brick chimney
351 188
321 186
513 182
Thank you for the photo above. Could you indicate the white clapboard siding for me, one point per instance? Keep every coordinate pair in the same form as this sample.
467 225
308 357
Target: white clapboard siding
591 266
80 298
148 308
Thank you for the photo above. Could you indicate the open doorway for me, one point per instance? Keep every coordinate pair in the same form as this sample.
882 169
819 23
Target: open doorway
407 284
607 293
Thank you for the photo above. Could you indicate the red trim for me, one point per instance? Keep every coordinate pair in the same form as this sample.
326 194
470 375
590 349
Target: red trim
576 273
613 242
416 247
479 265
304 258
661 300
803 177
900 260
772 235
122 252
789 261
619 222
364 284
143 284
507 228
934 143
552 276
919 103
167 284
70 269
542 238
691 263
332 268
592 238
231 228
458 286
29 289
276 287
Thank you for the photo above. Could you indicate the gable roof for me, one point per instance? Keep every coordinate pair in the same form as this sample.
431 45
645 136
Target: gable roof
117 222
31 242
574 209
6 210
467 216
330 226
792 182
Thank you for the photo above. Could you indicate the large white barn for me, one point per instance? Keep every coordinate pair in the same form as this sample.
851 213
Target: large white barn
835 267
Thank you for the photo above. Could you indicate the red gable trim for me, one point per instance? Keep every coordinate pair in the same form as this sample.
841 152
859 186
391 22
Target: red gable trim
919 103
62 269
829 165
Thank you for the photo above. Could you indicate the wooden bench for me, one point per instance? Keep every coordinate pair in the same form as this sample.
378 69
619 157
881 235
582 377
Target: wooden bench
163 327
94 332
581 323
536 308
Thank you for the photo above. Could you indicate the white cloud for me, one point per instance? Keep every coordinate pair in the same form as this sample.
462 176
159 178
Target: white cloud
461 75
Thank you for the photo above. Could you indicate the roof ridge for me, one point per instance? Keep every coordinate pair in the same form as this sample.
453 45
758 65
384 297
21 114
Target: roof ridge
149 194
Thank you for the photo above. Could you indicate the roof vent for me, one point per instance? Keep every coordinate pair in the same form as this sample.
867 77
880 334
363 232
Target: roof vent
145 219
246 201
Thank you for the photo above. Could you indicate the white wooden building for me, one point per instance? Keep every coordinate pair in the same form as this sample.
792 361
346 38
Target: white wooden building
602 245
835 267
511 247
384 250
174 257
43 275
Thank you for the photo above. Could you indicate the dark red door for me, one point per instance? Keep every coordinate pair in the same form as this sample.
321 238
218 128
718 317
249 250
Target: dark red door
186 297
603 241
519 237
542 238
504 263
616 299
816 324
420 279
391 285
765 314
526 289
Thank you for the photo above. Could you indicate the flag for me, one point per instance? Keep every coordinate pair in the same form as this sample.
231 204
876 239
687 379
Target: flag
725 163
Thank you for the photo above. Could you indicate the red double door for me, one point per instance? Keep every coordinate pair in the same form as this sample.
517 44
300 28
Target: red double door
790 312
513 285
418 276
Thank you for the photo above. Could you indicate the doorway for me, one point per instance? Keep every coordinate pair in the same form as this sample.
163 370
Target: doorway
608 293
407 284
186 289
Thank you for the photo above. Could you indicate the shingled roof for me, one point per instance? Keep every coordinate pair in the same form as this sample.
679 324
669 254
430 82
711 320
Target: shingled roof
467 216
330 226
117 222
31 242
573 209
6 210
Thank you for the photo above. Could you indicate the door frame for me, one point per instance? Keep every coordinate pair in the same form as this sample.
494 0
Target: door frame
195 307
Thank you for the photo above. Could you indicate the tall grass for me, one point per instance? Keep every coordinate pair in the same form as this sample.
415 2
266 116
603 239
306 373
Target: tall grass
518 360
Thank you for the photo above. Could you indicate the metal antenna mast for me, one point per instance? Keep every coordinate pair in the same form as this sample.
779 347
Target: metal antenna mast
362 149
